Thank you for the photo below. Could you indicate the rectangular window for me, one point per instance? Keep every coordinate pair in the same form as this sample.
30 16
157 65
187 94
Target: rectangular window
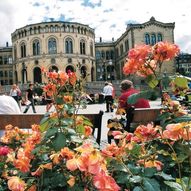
10 60
1 73
1 60
5 60
6 74
10 74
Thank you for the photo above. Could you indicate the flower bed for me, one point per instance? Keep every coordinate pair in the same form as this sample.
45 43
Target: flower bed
59 153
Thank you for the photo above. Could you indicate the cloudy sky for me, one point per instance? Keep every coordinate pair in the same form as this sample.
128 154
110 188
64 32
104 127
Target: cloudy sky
108 17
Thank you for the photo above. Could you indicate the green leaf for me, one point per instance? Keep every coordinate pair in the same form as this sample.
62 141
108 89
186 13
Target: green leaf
44 124
122 178
67 121
119 166
76 139
59 100
184 118
152 81
70 130
88 122
151 185
132 99
58 180
51 132
174 185
59 142
149 172
80 129
136 150
181 82
137 188
135 169
76 188
136 179
165 176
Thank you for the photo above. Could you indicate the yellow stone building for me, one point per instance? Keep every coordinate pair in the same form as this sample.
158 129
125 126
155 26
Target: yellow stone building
111 56
6 65
54 46
71 46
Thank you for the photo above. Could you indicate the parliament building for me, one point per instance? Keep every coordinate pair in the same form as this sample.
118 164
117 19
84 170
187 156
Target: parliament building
71 46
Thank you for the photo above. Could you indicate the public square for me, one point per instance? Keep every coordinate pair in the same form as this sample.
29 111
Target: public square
91 109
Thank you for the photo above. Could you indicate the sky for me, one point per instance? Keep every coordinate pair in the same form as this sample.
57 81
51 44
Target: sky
108 18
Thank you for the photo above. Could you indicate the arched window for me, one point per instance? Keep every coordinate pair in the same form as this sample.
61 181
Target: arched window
159 36
53 69
46 28
147 39
78 30
23 50
107 55
82 47
63 28
83 71
36 47
31 31
153 39
103 54
37 75
72 29
98 55
52 28
91 49
111 54
68 46
52 46
121 49
69 68
127 45
117 52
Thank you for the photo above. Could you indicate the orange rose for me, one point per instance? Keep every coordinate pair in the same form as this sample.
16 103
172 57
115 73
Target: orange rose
16 184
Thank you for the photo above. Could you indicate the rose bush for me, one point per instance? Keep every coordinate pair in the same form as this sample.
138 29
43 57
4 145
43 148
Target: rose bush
61 154
58 153
154 157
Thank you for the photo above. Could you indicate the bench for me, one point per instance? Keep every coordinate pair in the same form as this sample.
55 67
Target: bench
142 115
139 116
24 121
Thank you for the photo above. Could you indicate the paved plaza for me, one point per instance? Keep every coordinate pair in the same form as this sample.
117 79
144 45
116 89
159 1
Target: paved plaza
92 108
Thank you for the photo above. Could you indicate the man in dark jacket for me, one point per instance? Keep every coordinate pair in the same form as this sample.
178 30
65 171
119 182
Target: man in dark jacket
30 99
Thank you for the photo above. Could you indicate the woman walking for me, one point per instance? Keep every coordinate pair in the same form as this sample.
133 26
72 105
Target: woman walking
15 93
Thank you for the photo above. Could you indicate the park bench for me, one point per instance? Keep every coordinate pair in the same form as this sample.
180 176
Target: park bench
139 116
24 121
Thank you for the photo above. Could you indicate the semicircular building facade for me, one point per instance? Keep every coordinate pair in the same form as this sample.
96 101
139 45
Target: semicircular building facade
55 46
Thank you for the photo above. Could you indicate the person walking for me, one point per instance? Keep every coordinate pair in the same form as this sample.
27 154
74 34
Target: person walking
15 93
49 102
108 92
29 99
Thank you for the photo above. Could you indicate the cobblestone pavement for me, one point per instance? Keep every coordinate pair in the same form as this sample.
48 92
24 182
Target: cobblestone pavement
93 108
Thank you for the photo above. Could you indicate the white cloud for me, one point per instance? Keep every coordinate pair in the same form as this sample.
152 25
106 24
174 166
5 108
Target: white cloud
107 17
